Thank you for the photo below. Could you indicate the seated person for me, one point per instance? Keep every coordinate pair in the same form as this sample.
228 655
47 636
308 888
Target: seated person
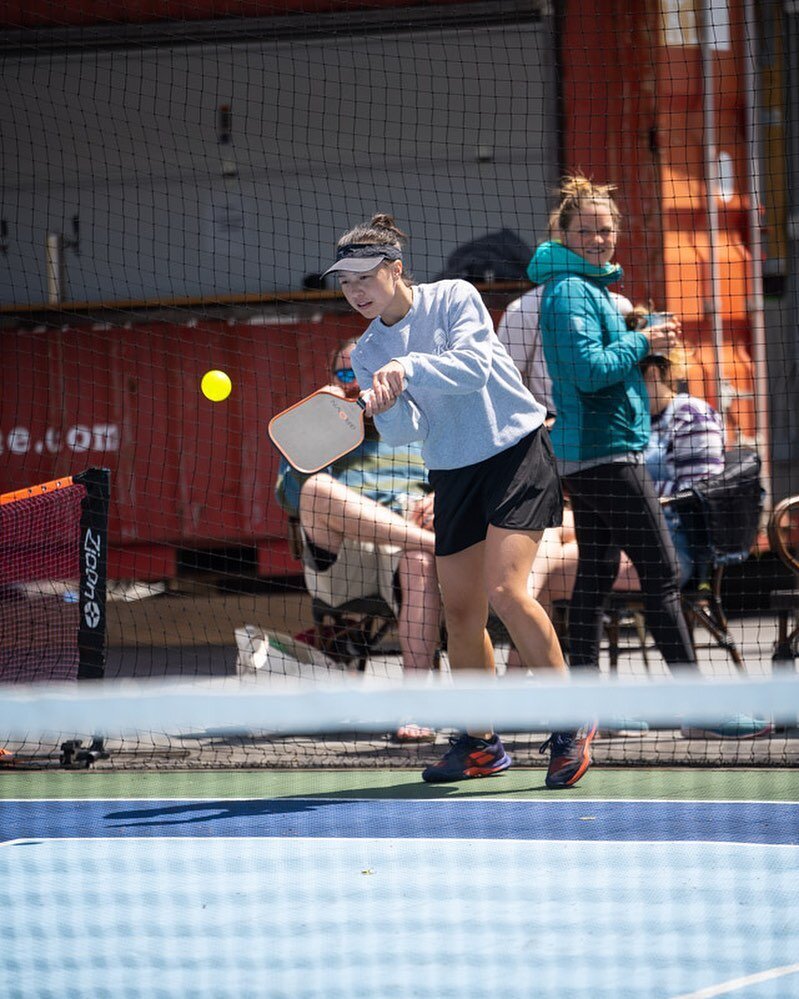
367 527
686 443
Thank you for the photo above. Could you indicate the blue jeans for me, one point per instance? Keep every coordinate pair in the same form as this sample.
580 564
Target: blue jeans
682 546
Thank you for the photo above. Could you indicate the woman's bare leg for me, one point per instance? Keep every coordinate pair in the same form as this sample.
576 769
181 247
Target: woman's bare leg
552 578
466 614
330 511
509 556
419 619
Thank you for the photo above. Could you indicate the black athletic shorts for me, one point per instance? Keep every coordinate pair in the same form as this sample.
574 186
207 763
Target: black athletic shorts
518 489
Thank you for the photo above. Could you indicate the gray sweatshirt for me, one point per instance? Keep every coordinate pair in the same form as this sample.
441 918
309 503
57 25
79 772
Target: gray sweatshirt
464 397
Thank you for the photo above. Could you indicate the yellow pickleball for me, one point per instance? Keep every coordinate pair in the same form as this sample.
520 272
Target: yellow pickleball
216 385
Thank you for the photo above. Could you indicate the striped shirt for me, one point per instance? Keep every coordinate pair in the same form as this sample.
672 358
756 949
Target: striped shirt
686 444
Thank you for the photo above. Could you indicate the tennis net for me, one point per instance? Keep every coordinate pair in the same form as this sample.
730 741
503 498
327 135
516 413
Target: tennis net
53 578
329 884
344 723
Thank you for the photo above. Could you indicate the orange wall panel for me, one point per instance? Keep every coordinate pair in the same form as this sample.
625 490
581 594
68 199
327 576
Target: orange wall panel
685 276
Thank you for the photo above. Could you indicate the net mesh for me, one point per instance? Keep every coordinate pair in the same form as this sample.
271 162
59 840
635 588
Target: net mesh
173 190
40 570
280 722
252 821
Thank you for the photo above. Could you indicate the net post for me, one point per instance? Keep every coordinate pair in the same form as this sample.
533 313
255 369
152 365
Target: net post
93 572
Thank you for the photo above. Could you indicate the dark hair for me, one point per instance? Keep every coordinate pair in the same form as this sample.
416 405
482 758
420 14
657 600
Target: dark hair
637 318
659 361
381 230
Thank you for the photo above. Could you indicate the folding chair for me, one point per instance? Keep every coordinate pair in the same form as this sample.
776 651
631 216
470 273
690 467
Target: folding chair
721 515
351 631
783 535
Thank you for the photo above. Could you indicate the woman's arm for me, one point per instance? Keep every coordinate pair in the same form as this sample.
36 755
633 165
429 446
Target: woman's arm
400 422
397 417
459 361
571 324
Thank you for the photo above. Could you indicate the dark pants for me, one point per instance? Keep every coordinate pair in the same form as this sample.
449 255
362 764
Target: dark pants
616 508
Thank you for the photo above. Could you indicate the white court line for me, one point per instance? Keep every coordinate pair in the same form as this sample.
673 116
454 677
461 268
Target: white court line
467 802
426 840
725 988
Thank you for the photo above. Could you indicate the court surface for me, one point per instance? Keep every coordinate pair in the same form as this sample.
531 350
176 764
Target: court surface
660 883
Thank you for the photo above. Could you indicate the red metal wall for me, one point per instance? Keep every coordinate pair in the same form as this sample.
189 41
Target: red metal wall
185 472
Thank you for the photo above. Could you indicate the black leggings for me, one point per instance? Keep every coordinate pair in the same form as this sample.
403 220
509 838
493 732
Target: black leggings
615 507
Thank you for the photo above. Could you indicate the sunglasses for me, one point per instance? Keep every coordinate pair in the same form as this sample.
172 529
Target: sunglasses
345 375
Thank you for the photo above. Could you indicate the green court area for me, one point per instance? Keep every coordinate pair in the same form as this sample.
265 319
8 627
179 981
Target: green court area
663 783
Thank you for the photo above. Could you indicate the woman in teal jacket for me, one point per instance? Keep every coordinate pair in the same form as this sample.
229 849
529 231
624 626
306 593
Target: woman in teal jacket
595 361
602 426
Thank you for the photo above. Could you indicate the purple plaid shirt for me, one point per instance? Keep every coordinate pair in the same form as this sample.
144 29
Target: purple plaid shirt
686 444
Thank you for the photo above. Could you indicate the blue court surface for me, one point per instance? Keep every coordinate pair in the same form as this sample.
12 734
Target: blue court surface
302 896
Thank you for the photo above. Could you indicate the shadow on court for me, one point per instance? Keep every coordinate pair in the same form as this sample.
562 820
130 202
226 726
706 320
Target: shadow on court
336 816
160 813
163 814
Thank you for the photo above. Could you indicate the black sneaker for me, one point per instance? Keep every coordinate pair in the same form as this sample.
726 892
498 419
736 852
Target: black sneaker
468 757
570 756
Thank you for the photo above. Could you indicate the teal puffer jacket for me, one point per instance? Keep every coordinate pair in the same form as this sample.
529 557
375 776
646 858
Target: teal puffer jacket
599 392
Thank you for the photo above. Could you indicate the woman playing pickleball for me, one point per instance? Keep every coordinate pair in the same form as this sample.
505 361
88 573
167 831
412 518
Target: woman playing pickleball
439 375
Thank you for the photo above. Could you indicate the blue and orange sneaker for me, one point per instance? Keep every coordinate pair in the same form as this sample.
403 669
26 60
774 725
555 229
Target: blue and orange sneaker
570 756
468 757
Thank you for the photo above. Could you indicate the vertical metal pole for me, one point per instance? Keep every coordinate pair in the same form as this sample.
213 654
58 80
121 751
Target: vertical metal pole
713 305
54 258
755 304
789 376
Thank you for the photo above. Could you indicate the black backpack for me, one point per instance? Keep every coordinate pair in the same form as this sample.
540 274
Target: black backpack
722 512
497 256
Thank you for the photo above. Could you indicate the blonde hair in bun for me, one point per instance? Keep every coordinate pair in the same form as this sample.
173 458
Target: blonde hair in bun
575 192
